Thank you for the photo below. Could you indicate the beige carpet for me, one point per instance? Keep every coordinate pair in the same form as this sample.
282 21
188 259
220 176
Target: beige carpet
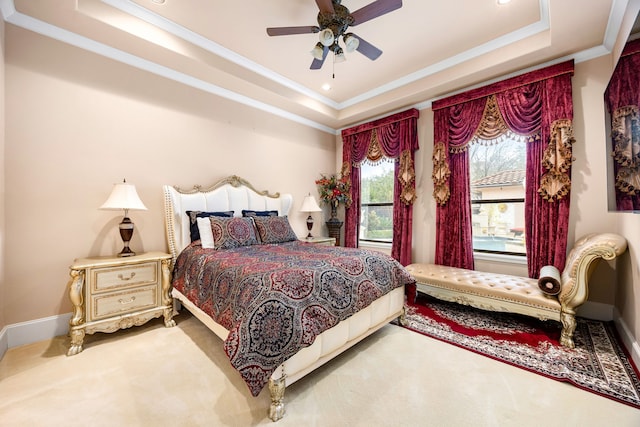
153 376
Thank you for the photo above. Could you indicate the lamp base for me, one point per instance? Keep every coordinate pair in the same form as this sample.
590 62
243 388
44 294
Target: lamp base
309 226
126 232
126 252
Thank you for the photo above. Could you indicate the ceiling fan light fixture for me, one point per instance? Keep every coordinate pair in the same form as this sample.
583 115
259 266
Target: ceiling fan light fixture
351 42
318 51
338 55
326 37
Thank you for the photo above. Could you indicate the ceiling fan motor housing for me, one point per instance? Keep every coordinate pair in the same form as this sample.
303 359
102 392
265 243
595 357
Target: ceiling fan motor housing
337 22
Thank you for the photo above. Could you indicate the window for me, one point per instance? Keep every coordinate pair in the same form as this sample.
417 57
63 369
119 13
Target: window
497 174
376 201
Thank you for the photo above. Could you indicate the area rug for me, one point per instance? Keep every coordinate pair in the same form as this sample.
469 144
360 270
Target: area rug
599 363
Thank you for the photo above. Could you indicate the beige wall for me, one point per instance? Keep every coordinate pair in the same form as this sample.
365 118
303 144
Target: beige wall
78 123
3 321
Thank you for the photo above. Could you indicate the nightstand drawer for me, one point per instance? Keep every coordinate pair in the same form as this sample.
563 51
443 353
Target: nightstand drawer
123 302
125 276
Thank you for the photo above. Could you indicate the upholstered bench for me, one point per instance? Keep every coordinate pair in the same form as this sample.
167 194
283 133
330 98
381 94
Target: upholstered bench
501 292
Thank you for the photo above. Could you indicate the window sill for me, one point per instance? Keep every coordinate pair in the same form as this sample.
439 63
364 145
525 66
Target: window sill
507 259
375 245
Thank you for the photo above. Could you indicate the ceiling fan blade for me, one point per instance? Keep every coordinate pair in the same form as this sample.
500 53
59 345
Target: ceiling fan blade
367 49
317 63
325 6
375 9
285 31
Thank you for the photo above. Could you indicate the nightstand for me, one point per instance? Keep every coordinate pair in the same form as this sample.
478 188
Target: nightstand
328 241
110 293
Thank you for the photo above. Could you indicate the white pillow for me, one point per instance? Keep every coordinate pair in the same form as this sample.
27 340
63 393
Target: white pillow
206 235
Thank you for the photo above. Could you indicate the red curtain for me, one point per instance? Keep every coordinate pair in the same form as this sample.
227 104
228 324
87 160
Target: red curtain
397 138
537 105
622 98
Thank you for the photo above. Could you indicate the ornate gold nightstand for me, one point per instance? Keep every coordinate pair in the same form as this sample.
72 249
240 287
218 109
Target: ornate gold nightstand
329 241
110 293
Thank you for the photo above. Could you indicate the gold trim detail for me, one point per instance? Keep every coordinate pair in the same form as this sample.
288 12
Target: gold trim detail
375 151
233 180
556 183
492 126
441 173
406 178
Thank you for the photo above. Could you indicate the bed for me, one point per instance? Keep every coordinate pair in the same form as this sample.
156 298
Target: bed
309 304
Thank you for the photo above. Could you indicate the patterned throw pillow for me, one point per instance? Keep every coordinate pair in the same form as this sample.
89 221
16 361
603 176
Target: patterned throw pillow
233 232
193 223
274 229
259 213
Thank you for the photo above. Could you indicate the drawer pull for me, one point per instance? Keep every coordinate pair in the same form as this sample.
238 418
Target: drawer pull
121 277
129 301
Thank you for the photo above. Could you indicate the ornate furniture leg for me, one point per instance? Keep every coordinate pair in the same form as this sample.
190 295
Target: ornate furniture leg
568 328
76 322
402 319
167 301
276 388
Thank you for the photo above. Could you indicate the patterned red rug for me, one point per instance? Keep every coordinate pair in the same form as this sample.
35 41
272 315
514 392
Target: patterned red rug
599 363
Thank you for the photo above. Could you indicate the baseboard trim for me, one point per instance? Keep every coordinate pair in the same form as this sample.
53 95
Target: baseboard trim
32 331
628 339
4 342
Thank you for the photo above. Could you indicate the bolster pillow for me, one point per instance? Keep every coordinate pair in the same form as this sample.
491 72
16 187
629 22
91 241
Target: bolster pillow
549 281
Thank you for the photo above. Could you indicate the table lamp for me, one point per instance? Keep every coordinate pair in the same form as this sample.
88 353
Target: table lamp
124 196
310 205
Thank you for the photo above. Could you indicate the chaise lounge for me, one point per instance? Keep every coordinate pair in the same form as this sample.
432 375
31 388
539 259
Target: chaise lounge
501 292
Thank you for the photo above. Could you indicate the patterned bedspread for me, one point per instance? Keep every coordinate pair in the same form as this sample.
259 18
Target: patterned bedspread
275 299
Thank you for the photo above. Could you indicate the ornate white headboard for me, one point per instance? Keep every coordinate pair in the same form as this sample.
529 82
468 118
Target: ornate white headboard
232 193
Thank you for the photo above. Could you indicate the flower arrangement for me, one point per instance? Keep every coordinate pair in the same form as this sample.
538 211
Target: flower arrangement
334 190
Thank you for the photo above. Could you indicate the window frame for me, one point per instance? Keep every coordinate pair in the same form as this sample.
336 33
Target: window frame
378 204
491 202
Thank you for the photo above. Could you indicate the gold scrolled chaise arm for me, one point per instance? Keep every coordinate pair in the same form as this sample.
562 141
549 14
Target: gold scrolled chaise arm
580 264
575 276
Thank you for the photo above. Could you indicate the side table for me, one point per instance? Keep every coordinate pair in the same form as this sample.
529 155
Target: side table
112 293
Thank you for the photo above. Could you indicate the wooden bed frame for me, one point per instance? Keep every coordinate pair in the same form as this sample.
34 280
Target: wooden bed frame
235 193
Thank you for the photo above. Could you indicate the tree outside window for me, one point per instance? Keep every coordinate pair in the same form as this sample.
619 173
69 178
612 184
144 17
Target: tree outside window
376 203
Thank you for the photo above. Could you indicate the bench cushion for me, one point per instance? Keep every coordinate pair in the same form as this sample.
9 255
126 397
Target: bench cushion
501 287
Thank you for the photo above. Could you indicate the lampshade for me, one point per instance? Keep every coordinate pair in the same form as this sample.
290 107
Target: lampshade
124 196
309 204
338 55
351 42
326 37
318 51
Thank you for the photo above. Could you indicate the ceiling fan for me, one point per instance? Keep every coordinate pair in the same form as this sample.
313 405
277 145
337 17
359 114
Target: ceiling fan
333 21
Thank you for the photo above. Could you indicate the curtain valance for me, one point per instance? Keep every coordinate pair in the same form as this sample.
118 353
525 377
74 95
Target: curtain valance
551 71
396 137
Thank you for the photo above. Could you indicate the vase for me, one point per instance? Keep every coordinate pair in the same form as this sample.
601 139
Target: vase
334 210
